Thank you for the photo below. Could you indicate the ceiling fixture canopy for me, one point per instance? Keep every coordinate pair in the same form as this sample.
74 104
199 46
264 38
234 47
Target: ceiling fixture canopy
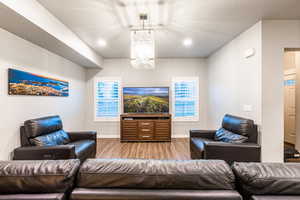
143 46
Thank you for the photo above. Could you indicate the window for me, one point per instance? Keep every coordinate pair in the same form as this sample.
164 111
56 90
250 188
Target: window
107 98
185 98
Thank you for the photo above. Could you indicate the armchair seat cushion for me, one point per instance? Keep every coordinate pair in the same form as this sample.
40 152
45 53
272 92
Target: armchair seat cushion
83 148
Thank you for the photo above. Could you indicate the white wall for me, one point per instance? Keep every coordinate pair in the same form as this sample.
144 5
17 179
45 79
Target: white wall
276 35
161 76
41 17
235 81
297 67
19 54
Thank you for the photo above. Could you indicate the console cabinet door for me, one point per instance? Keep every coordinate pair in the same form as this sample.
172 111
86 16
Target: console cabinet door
162 130
129 130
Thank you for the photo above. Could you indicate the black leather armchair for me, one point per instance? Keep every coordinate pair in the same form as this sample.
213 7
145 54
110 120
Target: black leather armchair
45 139
205 144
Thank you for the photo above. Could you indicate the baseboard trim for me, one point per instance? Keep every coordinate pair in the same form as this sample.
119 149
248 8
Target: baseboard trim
117 136
180 136
108 136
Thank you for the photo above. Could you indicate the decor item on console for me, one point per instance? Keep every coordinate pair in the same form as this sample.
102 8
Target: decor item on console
44 138
24 83
235 141
146 100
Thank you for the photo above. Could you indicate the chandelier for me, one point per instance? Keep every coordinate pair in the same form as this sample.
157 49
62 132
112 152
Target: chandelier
143 46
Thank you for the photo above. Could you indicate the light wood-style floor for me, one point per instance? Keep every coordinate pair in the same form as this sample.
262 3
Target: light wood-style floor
178 149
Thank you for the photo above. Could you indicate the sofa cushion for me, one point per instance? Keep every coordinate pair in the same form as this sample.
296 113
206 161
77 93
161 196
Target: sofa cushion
268 178
41 126
52 139
31 177
52 196
223 135
150 194
155 174
238 125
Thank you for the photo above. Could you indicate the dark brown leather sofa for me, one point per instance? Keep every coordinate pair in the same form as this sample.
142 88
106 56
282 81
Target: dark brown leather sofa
268 181
120 179
37 180
129 179
45 139
235 141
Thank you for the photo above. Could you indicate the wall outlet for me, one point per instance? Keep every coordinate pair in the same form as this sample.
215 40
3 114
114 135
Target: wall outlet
247 108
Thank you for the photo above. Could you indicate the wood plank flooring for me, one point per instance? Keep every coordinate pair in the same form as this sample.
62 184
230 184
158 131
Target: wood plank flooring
178 149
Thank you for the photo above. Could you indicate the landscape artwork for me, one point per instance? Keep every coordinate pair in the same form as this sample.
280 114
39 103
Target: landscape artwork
146 100
24 83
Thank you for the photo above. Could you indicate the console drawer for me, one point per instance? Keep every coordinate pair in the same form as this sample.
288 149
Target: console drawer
146 136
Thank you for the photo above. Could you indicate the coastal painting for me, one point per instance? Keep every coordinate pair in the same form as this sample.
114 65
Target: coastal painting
25 83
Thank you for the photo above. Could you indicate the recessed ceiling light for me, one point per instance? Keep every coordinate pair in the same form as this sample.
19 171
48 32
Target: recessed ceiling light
102 43
187 42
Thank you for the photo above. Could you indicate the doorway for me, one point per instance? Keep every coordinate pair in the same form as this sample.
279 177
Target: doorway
291 135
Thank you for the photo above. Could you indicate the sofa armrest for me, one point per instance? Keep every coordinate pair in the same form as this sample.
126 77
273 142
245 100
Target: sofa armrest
209 134
83 135
60 152
244 152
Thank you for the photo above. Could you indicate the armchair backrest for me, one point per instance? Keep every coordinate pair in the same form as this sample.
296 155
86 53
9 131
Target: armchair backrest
38 127
241 126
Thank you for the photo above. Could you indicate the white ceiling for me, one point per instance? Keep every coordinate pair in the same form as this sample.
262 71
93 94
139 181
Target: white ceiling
210 23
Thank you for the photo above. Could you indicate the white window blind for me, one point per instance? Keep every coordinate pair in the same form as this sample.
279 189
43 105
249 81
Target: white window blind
185 98
107 98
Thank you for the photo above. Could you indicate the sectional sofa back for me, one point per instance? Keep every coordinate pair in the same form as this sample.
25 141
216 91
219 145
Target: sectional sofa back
155 179
265 180
155 174
130 178
36 177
